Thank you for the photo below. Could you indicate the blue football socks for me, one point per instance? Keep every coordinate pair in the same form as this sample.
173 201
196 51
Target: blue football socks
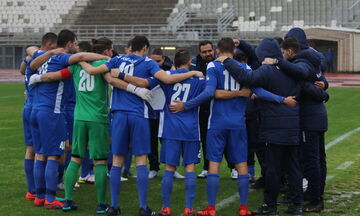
166 187
243 188
29 172
190 189
39 176
212 185
251 170
142 181
115 174
51 178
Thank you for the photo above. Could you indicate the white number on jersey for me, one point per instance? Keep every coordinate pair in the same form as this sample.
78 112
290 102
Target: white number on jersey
44 67
87 81
127 69
178 87
234 86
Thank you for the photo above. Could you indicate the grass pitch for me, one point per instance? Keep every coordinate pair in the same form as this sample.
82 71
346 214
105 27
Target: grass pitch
342 190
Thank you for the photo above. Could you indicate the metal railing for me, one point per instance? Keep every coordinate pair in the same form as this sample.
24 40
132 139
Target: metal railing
179 19
226 19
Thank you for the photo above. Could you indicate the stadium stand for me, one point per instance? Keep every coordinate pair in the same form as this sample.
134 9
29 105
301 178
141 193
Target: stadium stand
32 16
170 22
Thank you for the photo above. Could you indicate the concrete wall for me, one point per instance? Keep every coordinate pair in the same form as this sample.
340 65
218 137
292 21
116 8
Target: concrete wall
348 46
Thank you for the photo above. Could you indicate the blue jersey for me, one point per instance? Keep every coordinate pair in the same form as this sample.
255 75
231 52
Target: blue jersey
133 65
51 96
28 73
182 126
71 97
230 113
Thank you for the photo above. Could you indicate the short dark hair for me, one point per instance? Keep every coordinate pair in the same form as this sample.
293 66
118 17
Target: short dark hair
128 44
101 44
65 36
114 54
182 56
291 43
226 45
157 51
85 46
48 37
139 42
205 42
240 57
279 39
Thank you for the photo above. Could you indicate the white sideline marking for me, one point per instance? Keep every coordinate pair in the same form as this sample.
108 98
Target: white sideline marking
227 201
344 165
223 203
341 138
329 177
11 96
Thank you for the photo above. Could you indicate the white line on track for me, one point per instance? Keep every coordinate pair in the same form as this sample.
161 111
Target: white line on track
225 202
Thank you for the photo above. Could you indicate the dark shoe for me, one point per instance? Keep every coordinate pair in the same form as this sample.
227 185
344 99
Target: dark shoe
101 208
69 205
295 210
113 211
310 207
259 183
285 200
266 210
146 212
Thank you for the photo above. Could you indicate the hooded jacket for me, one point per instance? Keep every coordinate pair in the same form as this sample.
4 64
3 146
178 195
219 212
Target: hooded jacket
307 66
280 124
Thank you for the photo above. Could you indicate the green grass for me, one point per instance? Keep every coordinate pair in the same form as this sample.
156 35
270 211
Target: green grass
342 192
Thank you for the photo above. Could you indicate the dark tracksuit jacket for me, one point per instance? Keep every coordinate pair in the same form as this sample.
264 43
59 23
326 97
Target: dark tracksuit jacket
280 124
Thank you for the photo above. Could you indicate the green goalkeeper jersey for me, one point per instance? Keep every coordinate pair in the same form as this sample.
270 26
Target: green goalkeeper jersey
91 94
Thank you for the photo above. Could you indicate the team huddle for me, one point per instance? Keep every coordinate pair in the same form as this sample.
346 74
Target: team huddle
267 101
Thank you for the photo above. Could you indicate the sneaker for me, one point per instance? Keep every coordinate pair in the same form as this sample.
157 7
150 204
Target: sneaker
60 199
234 174
152 174
77 185
294 210
30 196
101 208
252 179
39 202
123 179
61 186
305 184
113 211
164 212
203 174
56 204
310 207
243 211
69 205
146 212
209 211
189 212
89 179
178 175
266 210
